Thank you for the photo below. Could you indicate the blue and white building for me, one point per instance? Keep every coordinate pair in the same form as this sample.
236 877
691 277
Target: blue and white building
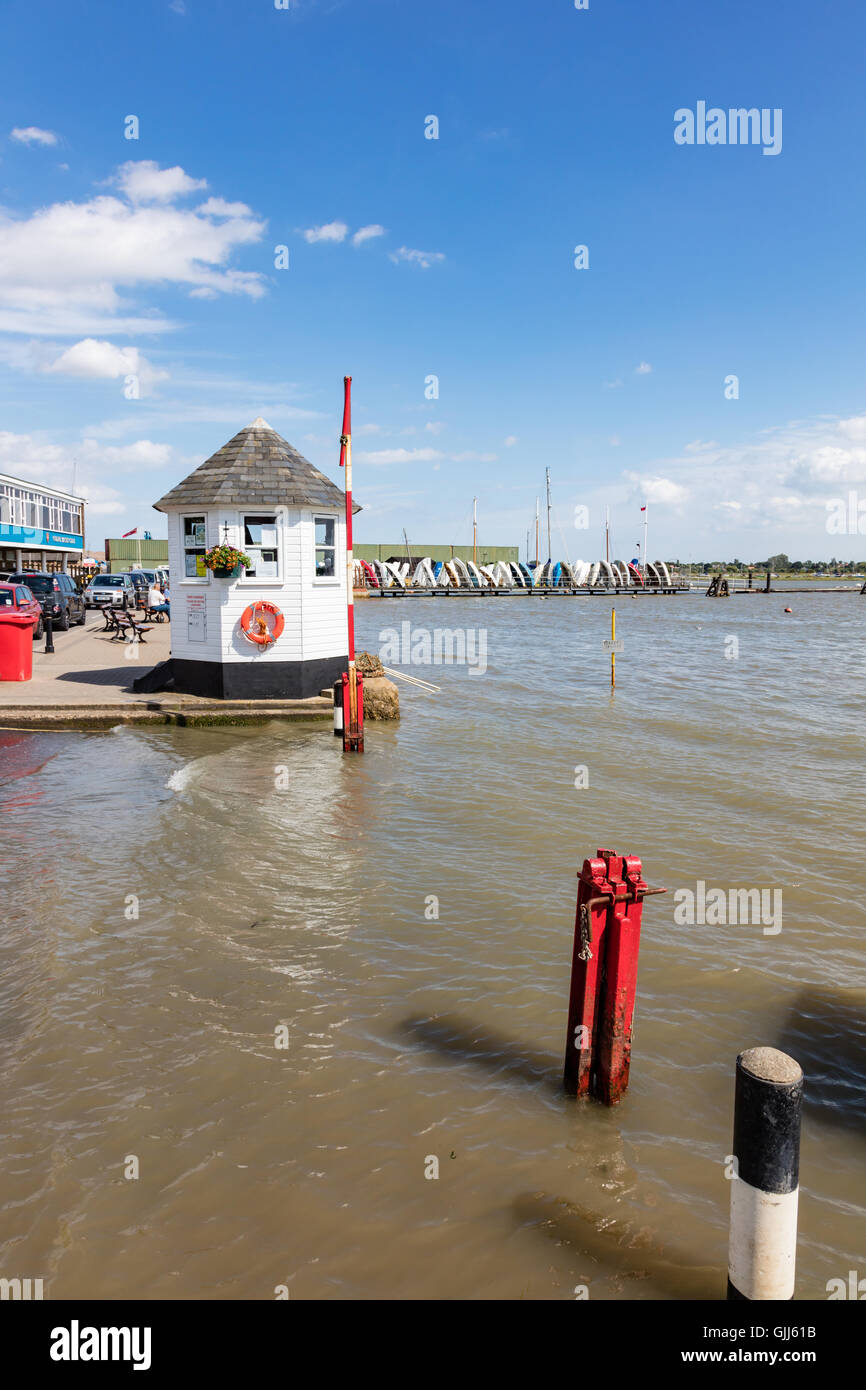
41 528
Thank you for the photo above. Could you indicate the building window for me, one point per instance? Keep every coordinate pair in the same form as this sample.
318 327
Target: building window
260 543
194 544
326 550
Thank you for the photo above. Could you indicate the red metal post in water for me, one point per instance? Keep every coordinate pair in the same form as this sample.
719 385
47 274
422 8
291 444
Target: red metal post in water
593 899
601 1004
622 944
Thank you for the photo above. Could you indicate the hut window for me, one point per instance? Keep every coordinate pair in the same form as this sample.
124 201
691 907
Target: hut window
194 540
326 559
260 543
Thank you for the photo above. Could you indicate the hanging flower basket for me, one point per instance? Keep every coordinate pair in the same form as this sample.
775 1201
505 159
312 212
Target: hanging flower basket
224 561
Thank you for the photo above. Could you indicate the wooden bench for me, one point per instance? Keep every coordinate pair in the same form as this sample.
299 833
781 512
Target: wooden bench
151 615
120 624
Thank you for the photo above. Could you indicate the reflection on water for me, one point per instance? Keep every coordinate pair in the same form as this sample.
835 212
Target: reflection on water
178 901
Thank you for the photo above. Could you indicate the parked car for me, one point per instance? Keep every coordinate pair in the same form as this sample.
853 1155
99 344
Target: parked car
60 600
141 580
22 600
116 590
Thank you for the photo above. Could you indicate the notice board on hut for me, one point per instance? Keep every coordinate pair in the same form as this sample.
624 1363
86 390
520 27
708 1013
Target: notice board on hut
196 618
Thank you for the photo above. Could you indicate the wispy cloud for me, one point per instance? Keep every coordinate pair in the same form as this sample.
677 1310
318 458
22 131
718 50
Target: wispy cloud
378 456
424 259
643 369
367 233
329 231
32 135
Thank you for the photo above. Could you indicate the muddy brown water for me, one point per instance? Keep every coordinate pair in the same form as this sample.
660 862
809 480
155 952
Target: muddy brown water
281 886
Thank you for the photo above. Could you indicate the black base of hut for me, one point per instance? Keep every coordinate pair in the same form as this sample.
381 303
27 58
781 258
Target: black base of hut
257 680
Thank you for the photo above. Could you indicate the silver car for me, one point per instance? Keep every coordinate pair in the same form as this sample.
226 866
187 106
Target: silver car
115 590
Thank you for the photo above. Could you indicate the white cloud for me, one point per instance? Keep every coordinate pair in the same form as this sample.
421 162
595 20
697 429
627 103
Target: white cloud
64 270
854 428
143 181
144 453
434 426
510 441
471 457
643 369
612 385
378 456
329 231
178 6
39 460
218 207
369 429
367 233
32 135
424 259
658 489
777 483
100 360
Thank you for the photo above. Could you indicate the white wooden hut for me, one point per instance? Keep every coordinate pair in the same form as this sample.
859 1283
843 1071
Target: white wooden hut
258 494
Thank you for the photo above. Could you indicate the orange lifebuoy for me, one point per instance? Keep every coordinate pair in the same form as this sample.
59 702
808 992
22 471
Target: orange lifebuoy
251 619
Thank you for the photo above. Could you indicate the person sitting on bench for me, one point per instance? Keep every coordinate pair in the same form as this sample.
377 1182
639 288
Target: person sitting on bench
158 602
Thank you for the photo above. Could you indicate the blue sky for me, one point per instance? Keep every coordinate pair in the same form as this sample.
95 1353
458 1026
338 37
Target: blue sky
259 127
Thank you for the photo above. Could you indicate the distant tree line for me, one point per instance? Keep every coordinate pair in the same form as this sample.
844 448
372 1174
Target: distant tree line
778 564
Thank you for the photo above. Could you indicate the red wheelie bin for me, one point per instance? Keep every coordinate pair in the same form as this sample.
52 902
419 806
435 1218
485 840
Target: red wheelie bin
16 647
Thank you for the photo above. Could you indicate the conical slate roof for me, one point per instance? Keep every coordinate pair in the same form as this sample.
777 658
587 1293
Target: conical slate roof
258 468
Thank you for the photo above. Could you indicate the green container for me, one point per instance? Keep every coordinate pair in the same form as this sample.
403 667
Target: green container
226 574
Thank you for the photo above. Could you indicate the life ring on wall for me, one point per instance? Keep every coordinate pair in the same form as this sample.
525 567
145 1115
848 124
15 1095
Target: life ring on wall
254 625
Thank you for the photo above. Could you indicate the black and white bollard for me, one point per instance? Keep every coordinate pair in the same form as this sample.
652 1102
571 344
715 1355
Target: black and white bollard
763 1233
338 708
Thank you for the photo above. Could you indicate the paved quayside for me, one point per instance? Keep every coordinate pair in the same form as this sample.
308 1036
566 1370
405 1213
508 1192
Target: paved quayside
86 684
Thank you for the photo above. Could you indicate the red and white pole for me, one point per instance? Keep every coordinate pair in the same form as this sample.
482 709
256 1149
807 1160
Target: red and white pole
353 736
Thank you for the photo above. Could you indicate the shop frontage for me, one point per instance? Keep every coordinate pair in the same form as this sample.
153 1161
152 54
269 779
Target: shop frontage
41 528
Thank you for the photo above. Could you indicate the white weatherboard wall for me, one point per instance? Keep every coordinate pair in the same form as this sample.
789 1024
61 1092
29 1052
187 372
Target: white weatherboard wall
314 609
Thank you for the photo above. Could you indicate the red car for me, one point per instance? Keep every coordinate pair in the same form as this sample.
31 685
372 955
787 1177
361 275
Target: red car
19 597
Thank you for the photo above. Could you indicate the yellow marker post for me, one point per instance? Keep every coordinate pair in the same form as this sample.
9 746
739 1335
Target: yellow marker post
613 649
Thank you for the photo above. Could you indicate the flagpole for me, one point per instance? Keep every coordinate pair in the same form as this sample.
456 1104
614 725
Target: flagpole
354 738
645 529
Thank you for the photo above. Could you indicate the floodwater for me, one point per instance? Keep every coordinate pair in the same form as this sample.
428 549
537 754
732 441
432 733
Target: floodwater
176 903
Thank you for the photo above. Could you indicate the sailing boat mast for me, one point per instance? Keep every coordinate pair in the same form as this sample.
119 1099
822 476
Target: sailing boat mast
607 533
474 529
549 548
536 533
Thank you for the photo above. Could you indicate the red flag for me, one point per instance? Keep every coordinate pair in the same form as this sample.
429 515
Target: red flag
643 509
135 528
